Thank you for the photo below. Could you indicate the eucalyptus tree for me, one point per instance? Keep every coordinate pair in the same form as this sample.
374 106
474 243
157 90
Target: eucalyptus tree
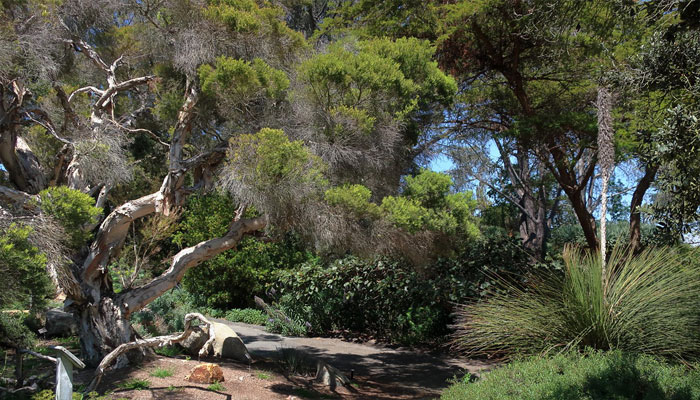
197 94
529 72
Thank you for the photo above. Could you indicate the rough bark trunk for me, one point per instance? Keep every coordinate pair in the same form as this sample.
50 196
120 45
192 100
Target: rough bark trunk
104 320
103 327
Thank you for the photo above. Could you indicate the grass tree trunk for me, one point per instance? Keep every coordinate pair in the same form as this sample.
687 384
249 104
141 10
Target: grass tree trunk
606 157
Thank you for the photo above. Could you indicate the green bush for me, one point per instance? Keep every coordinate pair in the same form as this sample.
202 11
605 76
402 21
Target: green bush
166 314
14 332
592 376
24 285
393 299
247 315
234 277
647 303
72 209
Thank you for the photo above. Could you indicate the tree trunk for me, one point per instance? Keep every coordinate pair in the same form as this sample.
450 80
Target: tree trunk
103 327
635 215
606 157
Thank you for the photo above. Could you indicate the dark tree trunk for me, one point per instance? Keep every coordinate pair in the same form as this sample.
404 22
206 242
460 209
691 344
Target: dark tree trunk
635 215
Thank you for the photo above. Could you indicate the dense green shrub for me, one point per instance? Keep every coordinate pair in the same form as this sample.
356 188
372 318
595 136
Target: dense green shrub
72 209
166 314
234 277
14 331
393 299
646 303
24 284
592 376
247 316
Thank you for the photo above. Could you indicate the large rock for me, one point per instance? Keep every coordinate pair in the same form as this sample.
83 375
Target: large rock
60 323
206 373
227 344
195 341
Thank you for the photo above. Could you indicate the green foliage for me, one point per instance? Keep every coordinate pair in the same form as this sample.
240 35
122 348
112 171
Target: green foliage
594 375
217 387
162 373
426 204
405 213
232 278
354 199
378 79
135 384
429 188
247 315
25 283
169 351
279 322
646 303
165 314
392 299
14 331
617 234
254 18
268 159
296 362
72 209
240 79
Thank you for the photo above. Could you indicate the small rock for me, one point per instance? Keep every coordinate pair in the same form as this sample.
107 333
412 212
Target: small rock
60 323
240 378
206 373
330 376
292 398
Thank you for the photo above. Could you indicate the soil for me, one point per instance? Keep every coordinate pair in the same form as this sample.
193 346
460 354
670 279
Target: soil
377 371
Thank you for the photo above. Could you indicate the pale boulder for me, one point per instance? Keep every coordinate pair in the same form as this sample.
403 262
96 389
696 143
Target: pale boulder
227 344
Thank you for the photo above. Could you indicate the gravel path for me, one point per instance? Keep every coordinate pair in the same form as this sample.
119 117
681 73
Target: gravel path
407 369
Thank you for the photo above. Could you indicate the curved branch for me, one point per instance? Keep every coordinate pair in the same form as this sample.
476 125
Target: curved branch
137 298
113 231
121 87
85 89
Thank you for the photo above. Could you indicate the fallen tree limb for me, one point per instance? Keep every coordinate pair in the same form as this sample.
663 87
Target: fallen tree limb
158 341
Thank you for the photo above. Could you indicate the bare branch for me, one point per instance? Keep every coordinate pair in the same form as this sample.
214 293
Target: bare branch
85 89
137 298
121 87
158 341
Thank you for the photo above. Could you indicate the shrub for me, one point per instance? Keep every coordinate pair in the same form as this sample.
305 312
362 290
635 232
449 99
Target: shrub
393 299
571 376
646 303
166 314
232 278
72 209
247 315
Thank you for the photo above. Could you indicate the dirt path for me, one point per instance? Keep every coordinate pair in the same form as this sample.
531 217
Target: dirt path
409 372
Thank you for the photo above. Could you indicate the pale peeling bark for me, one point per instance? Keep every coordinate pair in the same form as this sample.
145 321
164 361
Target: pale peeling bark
159 341
606 157
187 258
